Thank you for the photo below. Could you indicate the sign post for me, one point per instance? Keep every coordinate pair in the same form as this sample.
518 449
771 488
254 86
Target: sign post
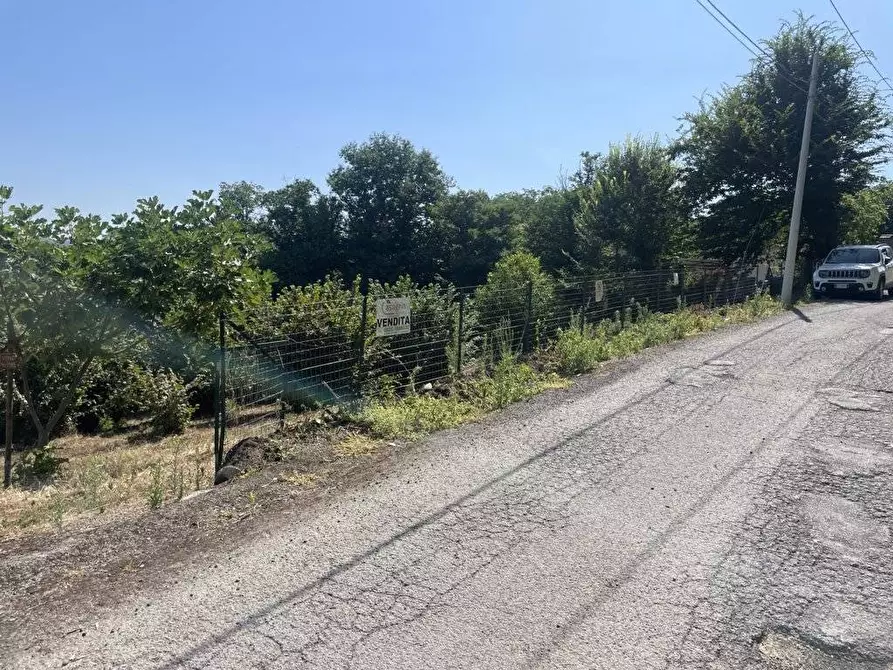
393 316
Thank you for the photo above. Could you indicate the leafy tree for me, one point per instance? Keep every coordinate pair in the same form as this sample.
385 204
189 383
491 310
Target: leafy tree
55 317
388 190
307 232
481 230
864 215
549 230
630 207
75 289
885 190
242 201
740 150
182 267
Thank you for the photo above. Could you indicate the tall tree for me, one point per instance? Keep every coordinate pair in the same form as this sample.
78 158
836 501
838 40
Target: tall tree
885 191
630 206
307 232
549 230
864 216
740 150
180 267
389 190
57 311
242 201
480 230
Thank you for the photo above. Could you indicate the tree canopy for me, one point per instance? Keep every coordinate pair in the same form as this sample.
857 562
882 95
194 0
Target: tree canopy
389 190
630 212
76 289
740 150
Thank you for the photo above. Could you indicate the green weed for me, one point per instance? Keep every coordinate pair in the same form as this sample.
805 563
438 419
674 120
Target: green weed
155 492
57 508
580 351
417 415
94 481
510 382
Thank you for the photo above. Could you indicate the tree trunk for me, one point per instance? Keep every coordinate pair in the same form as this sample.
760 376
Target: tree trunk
62 401
43 438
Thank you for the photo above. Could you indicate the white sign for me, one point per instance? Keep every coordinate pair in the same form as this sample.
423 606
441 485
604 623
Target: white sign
762 271
392 317
599 290
675 279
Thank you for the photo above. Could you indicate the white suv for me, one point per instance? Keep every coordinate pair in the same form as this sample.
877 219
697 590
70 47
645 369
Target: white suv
855 269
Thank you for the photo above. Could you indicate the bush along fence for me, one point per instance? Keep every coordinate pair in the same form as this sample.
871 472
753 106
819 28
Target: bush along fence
336 344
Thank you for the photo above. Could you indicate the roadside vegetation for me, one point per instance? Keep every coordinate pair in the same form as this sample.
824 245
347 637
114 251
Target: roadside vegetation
574 352
104 475
112 324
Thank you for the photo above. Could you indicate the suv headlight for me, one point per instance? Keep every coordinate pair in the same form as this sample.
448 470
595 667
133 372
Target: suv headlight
864 274
823 274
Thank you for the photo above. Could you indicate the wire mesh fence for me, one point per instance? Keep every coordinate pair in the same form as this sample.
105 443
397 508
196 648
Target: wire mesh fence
344 351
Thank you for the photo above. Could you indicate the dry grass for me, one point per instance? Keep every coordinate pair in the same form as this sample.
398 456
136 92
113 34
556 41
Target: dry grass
355 445
300 479
107 473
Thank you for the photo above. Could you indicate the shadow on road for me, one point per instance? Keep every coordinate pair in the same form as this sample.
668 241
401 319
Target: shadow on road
801 315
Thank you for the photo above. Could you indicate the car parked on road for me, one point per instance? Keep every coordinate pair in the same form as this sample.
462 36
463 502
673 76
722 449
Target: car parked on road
855 269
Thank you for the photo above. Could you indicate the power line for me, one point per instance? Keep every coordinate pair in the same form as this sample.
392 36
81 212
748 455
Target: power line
784 74
726 28
735 26
864 53
765 55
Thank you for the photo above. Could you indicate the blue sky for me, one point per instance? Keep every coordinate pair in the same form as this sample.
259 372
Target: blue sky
106 101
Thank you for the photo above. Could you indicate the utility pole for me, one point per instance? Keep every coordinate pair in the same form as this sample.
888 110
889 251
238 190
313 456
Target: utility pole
790 260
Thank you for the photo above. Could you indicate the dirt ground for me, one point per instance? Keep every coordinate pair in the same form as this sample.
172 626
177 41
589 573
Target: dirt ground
100 559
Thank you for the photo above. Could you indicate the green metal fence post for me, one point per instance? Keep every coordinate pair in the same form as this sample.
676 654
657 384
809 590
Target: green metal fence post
364 288
217 412
220 421
460 334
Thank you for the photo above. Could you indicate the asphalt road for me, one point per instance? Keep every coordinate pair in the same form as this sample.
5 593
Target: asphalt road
724 503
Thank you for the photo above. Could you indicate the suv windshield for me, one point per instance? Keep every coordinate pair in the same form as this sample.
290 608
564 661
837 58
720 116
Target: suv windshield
853 255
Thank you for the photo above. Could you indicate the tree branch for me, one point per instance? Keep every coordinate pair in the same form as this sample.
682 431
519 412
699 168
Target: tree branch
29 398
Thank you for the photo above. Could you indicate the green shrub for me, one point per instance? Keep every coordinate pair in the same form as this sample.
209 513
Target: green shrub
417 415
114 390
169 406
316 327
509 382
420 355
38 465
504 297
580 352
761 305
